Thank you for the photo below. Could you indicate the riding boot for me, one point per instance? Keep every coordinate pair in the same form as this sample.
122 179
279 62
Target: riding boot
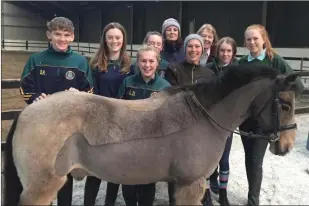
171 193
214 185
111 193
92 187
64 196
207 198
223 200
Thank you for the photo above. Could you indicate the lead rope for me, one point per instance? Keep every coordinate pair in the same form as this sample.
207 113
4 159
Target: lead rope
271 137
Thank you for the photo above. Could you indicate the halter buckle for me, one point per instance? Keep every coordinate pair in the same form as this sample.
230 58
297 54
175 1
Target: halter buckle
274 137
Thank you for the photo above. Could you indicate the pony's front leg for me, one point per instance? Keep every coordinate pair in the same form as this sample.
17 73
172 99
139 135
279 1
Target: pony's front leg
190 194
41 194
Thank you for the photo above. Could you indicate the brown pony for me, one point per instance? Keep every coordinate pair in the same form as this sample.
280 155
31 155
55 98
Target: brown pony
177 135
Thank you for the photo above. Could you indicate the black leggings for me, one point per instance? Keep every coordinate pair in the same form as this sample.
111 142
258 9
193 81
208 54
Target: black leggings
92 188
254 155
144 195
64 196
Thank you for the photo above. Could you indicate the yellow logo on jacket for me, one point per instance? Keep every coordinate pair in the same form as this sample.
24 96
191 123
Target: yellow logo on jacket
42 72
132 93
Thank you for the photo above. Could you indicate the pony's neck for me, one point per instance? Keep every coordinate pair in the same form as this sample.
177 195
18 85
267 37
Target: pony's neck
230 107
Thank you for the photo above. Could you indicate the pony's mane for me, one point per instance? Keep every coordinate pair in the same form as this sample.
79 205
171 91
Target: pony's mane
233 77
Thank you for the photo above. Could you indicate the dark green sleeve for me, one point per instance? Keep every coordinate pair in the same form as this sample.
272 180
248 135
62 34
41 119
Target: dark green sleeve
171 75
282 65
243 59
122 89
166 84
87 83
28 88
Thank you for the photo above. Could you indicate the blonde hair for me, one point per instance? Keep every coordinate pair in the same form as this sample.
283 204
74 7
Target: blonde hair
269 49
146 47
100 58
209 28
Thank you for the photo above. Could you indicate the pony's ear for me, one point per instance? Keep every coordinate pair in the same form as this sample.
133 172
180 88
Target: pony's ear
289 82
290 79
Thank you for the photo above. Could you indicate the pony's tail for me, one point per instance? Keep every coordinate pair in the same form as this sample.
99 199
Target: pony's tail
12 184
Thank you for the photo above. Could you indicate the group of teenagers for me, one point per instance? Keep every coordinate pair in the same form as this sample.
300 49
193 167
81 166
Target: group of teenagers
163 60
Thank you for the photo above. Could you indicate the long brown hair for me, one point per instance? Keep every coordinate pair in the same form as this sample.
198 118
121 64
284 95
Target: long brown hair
269 49
227 40
100 59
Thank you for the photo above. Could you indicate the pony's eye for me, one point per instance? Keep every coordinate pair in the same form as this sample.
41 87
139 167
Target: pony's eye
286 107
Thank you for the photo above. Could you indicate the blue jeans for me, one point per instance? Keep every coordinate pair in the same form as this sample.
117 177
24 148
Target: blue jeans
224 161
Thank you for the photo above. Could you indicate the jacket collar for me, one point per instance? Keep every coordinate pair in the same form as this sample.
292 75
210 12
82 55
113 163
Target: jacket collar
261 57
151 81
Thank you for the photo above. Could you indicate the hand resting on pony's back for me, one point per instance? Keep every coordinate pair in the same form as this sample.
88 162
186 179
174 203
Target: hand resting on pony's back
43 95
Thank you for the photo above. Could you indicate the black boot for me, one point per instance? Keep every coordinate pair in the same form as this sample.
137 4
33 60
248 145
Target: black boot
207 199
171 193
213 180
223 200
214 186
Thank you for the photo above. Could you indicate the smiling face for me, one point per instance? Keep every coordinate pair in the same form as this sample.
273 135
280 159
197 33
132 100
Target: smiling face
208 38
194 51
254 41
225 53
171 33
60 39
148 63
114 40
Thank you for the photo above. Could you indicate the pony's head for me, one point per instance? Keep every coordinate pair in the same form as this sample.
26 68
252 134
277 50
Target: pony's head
273 108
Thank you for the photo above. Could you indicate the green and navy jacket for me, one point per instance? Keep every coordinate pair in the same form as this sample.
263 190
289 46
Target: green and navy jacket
135 87
161 69
50 71
107 82
277 62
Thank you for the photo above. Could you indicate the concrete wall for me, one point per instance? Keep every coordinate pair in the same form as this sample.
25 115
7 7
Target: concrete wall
18 23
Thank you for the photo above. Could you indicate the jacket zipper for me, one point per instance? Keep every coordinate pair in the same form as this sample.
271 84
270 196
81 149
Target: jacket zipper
192 73
58 74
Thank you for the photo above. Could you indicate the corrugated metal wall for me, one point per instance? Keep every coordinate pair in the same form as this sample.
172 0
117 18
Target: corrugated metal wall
18 23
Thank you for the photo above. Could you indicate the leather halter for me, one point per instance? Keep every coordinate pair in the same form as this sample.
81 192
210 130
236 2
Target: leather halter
275 133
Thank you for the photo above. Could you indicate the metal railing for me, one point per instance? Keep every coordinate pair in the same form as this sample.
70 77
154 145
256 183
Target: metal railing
35 46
